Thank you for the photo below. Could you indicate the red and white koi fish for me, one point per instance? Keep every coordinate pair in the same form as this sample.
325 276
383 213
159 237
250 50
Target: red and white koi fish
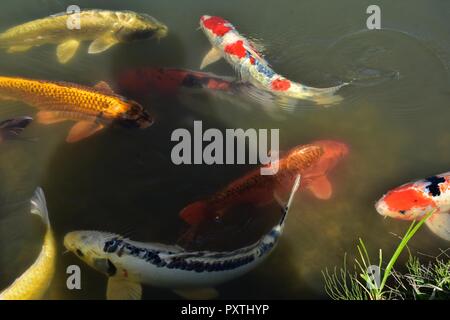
412 201
251 67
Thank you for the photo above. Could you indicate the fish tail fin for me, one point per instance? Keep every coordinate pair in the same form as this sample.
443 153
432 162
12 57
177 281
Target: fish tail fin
195 213
39 205
325 96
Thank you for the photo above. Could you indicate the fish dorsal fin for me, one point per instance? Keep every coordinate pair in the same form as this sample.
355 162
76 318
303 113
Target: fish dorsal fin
66 50
82 130
104 87
102 43
321 188
197 294
212 56
123 289
439 224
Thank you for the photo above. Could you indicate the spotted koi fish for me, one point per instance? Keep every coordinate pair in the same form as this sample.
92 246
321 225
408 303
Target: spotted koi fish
412 201
250 65
34 282
11 128
129 264
254 188
92 108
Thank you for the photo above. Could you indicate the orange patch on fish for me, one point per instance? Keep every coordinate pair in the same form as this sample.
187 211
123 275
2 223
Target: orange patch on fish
407 198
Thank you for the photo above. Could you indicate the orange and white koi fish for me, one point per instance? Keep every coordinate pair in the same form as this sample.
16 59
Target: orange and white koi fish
92 108
412 201
254 188
251 67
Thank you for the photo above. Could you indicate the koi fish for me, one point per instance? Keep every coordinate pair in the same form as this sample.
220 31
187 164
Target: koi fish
104 28
253 187
412 201
315 178
34 282
167 81
11 128
92 108
251 67
129 264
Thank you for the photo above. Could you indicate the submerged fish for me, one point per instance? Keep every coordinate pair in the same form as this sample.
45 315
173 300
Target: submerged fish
128 264
315 178
11 128
34 282
104 28
167 81
254 188
252 67
412 201
92 108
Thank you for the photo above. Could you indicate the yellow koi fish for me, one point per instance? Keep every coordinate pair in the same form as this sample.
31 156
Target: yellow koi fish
104 28
33 284
92 108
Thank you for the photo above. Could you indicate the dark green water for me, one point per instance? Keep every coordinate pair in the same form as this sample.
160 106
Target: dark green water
394 117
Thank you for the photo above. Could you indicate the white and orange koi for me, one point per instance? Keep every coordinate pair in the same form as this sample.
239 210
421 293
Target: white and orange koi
412 201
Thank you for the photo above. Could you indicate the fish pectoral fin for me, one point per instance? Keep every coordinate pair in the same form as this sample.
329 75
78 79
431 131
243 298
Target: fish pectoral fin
15 49
102 44
104 87
439 224
123 289
66 50
212 56
82 130
321 188
49 117
197 294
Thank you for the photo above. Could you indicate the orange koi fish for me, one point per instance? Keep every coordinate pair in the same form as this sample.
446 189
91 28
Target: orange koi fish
254 187
92 108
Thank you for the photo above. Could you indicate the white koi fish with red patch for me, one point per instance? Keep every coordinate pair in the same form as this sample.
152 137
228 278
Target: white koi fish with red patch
412 201
242 54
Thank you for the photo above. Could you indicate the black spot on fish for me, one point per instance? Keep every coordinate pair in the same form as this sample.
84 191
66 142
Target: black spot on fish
433 187
402 211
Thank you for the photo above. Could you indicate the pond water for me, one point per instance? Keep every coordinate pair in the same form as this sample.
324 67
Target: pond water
394 117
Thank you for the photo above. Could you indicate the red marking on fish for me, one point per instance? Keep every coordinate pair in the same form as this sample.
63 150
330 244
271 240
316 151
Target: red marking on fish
217 25
281 84
407 198
237 48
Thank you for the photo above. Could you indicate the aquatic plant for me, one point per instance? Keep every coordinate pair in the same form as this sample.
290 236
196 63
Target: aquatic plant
362 283
429 281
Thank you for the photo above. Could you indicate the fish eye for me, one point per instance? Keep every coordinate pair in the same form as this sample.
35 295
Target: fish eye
402 212
79 253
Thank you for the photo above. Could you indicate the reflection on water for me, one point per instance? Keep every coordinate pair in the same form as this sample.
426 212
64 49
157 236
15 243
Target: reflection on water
394 117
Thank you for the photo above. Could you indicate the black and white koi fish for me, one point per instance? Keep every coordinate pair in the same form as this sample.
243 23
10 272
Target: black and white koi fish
129 264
